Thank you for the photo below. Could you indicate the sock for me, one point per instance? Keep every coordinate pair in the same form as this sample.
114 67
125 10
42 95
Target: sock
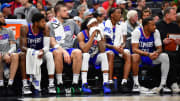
135 78
51 82
10 82
1 82
163 82
75 78
105 77
25 82
59 78
110 81
123 81
84 77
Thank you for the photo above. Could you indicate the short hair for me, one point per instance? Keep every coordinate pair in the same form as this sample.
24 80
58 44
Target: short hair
111 11
131 14
167 10
139 1
146 11
84 24
98 13
37 17
80 7
146 21
57 7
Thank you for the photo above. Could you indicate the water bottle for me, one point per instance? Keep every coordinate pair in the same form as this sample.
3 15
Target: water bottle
115 83
96 81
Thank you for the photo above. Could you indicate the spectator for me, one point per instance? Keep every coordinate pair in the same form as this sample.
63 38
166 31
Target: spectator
165 4
140 7
15 4
6 10
26 11
109 4
95 5
122 5
70 4
178 19
167 26
87 14
81 9
129 5
50 13
145 13
43 12
156 18
39 6
131 24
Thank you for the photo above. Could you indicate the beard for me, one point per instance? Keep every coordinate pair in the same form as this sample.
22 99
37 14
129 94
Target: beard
2 24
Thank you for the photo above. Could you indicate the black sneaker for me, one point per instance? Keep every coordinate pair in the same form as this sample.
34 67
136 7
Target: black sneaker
60 89
11 91
124 88
75 89
26 90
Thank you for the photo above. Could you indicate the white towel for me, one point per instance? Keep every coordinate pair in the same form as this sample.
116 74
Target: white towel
33 63
98 36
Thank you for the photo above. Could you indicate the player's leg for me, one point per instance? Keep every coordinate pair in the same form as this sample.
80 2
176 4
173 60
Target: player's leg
1 72
76 57
51 70
135 68
110 56
84 71
58 61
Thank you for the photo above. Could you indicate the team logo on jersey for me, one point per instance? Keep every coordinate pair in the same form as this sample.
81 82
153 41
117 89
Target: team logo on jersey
108 30
67 28
5 36
58 38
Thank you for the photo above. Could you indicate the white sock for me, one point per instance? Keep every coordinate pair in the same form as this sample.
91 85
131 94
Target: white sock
84 77
135 78
10 82
105 77
25 82
75 78
163 82
1 82
110 81
59 78
123 81
51 82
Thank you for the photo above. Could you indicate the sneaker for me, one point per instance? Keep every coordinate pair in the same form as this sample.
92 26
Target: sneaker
175 88
26 90
106 88
52 89
60 89
144 90
10 90
161 89
124 88
136 88
86 89
75 89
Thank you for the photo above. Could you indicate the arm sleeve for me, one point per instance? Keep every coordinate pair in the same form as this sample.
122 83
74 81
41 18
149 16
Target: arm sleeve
52 33
157 38
135 36
76 28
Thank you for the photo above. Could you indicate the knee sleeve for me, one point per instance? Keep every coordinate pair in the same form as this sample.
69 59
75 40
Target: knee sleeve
104 62
85 62
50 63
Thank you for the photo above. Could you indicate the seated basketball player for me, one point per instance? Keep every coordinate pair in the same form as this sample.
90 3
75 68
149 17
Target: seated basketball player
36 36
63 30
7 53
147 49
92 44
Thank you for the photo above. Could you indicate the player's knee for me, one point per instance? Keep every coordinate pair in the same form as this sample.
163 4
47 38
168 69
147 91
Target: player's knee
135 58
164 57
15 56
77 53
57 52
110 54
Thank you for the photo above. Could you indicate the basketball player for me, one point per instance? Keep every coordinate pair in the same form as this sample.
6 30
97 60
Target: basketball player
36 36
147 49
115 39
63 30
7 53
93 51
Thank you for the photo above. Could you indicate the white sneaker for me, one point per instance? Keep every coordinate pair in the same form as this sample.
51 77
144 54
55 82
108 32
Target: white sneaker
163 88
156 90
175 88
26 90
136 88
52 89
144 90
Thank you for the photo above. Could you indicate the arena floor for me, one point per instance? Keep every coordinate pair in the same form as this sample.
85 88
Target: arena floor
114 97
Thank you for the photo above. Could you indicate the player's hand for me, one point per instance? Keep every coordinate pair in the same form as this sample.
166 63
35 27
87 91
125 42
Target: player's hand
167 41
67 58
7 58
153 55
120 49
177 41
40 54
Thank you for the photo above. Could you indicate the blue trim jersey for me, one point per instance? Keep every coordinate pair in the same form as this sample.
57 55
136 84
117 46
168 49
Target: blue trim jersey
34 41
146 44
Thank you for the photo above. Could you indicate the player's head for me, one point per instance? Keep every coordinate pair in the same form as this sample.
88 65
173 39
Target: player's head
61 11
2 20
115 14
38 20
88 23
149 24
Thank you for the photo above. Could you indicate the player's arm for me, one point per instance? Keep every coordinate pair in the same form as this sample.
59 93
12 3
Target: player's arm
12 42
85 46
23 38
46 40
